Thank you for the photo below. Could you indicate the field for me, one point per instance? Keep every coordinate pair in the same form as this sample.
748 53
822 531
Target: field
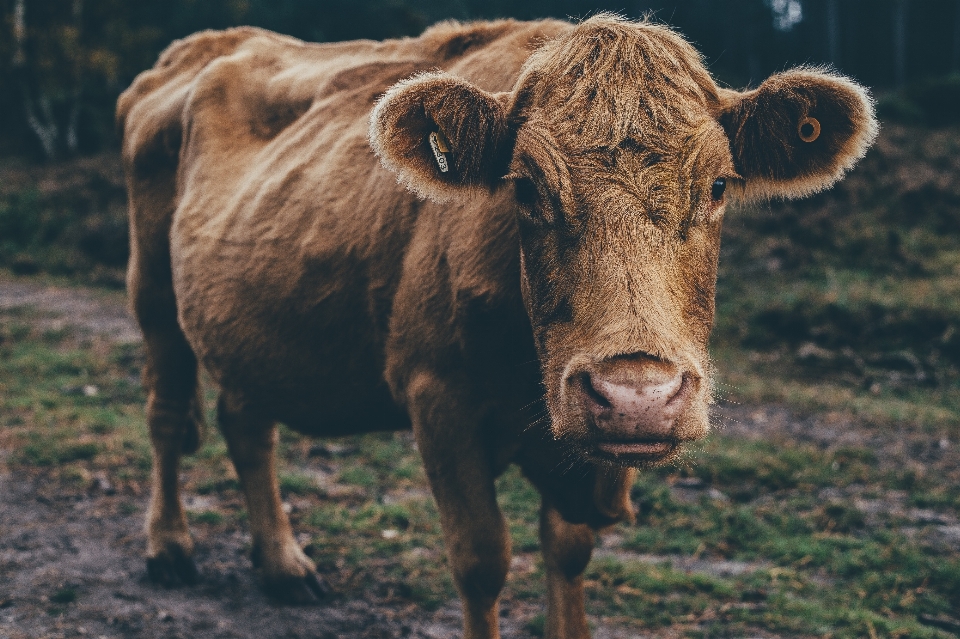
825 504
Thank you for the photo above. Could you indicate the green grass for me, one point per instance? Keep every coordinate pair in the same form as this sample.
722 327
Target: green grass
50 422
208 517
811 563
297 484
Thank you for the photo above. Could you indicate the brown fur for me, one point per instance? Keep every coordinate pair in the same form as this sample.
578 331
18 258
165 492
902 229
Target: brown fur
576 227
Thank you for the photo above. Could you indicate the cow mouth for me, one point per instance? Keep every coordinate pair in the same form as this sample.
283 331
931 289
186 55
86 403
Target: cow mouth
637 452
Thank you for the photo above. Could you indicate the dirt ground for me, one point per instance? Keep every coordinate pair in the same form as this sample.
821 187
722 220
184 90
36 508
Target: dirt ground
91 541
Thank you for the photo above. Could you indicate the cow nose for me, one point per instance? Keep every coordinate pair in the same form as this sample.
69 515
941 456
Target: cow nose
635 400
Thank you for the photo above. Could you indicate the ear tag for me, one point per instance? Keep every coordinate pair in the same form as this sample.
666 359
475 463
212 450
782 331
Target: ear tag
439 147
808 129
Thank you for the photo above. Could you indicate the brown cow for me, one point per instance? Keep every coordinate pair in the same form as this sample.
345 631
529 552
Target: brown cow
575 179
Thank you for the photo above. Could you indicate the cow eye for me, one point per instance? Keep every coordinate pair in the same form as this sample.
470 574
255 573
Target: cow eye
534 205
719 186
526 192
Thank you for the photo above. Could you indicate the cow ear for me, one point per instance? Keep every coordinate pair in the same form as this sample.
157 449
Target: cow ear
798 133
441 136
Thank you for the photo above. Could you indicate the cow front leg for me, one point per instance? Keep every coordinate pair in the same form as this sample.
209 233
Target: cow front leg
288 574
459 467
566 552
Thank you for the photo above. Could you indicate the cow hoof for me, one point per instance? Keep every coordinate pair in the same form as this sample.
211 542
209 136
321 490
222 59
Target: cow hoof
172 568
300 591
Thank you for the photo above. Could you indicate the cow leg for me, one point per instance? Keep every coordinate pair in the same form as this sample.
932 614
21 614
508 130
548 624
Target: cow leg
174 409
566 553
459 468
173 416
288 574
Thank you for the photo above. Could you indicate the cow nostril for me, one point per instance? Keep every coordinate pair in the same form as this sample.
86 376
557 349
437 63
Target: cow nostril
684 391
592 393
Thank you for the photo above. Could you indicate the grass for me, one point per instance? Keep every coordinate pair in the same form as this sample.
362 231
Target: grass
810 562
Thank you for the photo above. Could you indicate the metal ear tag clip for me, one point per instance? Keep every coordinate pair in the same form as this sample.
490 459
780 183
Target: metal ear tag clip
440 149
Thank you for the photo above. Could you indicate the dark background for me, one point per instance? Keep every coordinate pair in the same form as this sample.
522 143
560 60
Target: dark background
63 62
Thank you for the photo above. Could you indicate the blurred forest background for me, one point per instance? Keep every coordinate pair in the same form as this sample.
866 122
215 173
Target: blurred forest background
63 62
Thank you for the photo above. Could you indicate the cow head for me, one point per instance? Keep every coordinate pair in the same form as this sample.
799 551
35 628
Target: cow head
622 154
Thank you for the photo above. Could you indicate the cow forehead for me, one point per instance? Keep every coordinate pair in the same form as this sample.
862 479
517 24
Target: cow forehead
608 80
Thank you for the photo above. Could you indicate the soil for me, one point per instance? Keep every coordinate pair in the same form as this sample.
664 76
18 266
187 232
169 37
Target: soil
56 544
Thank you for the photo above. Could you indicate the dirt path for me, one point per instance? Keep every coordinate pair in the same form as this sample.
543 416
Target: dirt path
56 545
60 546
87 311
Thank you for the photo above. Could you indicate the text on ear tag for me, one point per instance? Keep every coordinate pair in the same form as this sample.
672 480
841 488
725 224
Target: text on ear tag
439 149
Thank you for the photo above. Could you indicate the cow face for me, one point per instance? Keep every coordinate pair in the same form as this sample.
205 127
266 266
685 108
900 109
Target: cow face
622 154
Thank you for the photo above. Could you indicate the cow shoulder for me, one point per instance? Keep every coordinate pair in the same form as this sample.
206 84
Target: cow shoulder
149 112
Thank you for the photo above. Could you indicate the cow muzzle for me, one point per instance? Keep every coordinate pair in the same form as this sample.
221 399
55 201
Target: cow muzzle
633 406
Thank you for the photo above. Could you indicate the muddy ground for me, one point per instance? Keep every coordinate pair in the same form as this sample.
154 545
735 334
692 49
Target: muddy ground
90 541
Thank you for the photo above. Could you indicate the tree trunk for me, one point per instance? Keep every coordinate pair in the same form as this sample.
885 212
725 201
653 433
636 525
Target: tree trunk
73 142
45 127
43 124
956 38
900 42
19 33
753 62
37 108
833 31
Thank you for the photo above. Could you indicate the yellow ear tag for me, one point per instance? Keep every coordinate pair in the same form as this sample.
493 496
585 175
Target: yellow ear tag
439 147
